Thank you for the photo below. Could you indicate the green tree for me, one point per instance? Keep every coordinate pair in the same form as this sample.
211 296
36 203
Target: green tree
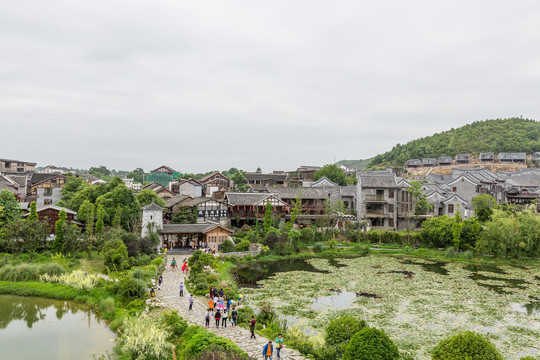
369 344
84 211
100 225
26 236
465 345
58 243
10 209
146 196
33 212
421 206
297 209
483 206
119 196
268 220
240 181
89 233
117 217
137 175
101 172
115 254
340 330
73 242
184 215
333 173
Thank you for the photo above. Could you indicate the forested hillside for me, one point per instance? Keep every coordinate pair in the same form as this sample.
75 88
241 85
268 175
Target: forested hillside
506 135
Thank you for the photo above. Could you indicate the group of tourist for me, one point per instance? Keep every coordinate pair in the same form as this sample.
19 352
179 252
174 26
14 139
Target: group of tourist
268 349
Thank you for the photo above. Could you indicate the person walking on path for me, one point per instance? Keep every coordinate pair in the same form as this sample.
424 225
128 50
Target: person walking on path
229 302
173 263
217 317
181 289
211 305
220 292
268 351
160 281
252 327
234 316
207 318
191 300
279 345
224 319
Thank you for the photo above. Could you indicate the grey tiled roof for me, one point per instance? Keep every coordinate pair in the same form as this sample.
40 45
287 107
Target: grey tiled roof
377 180
190 228
247 199
302 192
177 199
38 177
152 206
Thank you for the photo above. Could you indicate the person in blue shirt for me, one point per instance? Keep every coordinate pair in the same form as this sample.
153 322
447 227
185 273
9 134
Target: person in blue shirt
268 350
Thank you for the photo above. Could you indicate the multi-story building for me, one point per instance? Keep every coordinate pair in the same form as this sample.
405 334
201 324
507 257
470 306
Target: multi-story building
16 167
377 198
46 189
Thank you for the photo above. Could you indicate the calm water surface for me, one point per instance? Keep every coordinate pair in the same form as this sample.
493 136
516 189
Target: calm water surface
37 328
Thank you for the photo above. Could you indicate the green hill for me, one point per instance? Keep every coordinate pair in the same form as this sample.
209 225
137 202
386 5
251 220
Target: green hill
359 164
500 135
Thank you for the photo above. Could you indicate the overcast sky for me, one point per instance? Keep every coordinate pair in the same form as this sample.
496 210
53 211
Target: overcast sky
203 85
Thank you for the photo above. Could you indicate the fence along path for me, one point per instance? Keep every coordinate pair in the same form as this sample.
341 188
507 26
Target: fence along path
169 297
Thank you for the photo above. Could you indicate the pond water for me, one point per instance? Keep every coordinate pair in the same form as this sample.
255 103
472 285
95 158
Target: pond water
38 328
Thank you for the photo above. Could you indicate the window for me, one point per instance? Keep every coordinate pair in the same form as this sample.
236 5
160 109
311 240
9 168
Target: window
7 164
391 222
47 202
391 208
391 193
450 208
151 217
454 189
20 169
48 192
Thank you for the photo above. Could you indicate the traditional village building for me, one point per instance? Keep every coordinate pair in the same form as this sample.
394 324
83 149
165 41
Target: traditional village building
313 200
487 157
173 204
46 189
322 182
266 179
51 169
246 208
377 202
51 214
193 235
162 175
536 157
131 184
215 182
348 169
208 209
16 167
463 159
429 162
190 187
303 173
516 158
152 219
522 188
413 163
14 184
445 160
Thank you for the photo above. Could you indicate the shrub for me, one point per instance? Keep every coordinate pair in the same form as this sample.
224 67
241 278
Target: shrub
115 254
77 279
106 305
318 247
132 248
212 279
466 345
244 315
242 245
174 324
226 246
307 235
29 272
369 344
205 339
130 288
341 329
450 252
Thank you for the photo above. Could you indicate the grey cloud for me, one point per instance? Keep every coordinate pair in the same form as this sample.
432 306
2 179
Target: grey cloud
211 85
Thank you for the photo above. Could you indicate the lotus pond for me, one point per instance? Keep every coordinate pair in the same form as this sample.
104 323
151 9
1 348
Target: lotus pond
417 302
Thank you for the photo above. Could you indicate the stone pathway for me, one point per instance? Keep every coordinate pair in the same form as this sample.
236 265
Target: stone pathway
169 296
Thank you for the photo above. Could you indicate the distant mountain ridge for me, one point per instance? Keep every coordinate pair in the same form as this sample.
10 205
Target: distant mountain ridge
499 135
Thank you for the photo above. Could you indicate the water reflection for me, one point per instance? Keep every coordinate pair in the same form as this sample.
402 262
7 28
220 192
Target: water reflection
32 327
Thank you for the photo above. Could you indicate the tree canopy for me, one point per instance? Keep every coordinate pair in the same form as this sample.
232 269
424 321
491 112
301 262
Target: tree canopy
10 209
333 173
146 196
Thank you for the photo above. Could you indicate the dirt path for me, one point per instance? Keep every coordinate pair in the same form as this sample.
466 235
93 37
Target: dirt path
169 296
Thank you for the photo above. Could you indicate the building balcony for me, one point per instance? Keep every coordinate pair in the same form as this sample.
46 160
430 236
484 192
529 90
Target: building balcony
377 213
375 198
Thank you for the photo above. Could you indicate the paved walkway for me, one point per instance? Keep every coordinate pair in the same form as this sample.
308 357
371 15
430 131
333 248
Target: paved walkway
169 296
